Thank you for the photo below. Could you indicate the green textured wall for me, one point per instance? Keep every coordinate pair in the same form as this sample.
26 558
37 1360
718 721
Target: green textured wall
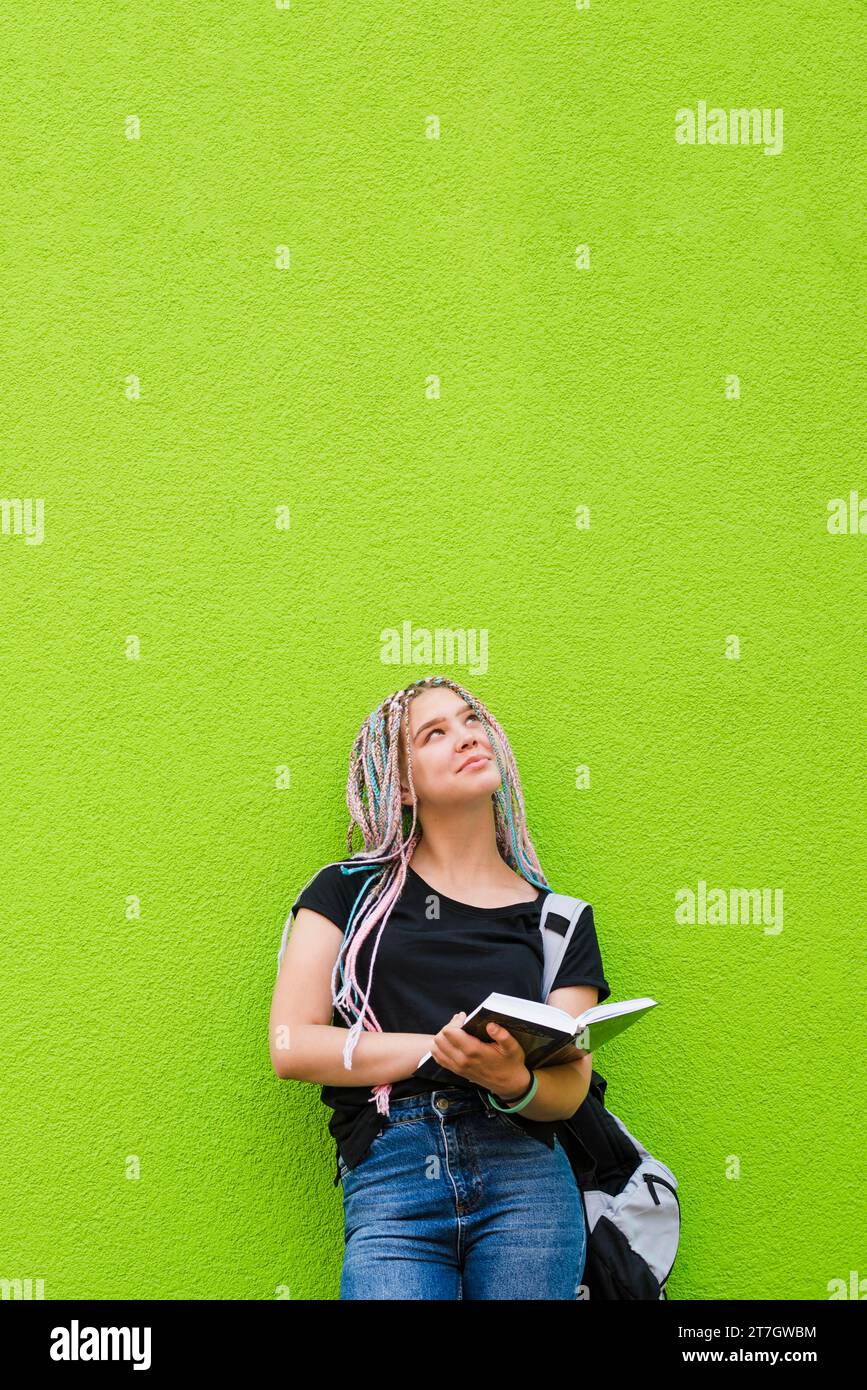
234 262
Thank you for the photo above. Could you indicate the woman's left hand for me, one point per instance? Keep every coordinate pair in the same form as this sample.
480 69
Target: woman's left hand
497 1065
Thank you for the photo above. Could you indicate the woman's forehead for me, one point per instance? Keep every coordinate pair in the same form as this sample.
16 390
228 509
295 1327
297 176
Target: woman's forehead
430 704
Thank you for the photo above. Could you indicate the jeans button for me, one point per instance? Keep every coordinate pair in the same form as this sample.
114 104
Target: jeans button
442 1103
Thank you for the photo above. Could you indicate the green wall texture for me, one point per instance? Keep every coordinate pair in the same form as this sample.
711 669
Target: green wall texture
326 319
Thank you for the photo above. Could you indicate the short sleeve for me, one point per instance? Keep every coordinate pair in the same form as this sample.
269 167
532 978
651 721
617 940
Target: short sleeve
332 893
582 963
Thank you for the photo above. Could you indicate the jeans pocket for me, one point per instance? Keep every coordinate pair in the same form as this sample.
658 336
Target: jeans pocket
506 1123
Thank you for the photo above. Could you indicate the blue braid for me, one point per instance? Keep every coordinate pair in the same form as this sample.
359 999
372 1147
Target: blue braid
350 925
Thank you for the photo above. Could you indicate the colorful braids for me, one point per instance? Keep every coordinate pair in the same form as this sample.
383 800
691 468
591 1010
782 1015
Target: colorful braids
373 799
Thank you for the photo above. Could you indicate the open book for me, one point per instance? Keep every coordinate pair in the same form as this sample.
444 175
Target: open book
548 1036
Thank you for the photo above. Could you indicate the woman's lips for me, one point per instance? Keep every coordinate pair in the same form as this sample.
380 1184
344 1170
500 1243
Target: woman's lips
473 762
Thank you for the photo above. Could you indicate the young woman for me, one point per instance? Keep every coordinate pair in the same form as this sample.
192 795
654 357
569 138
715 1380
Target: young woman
462 1190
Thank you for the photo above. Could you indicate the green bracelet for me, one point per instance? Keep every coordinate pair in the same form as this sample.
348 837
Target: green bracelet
510 1109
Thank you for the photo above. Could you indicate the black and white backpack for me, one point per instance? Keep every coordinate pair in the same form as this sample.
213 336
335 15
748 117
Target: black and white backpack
631 1205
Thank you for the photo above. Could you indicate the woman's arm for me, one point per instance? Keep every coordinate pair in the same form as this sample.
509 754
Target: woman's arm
314 1052
563 1089
303 1043
560 1091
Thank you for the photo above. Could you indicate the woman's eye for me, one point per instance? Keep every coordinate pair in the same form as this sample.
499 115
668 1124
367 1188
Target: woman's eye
439 731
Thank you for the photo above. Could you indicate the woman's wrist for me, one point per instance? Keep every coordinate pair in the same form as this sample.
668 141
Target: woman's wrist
510 1099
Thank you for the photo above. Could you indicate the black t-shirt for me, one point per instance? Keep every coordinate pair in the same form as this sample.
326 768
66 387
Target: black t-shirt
429 968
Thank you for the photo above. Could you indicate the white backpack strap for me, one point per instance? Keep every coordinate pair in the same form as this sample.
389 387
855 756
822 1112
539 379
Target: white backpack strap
560 917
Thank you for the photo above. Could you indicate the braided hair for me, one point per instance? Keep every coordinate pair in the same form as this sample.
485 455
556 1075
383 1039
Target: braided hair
388 829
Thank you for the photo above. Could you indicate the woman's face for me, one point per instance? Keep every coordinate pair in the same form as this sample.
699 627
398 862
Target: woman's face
445 733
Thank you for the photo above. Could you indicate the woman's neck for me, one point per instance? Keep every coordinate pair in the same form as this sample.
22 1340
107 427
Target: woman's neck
459 859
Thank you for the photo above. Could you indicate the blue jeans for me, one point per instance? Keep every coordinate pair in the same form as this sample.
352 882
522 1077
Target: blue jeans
453 1200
